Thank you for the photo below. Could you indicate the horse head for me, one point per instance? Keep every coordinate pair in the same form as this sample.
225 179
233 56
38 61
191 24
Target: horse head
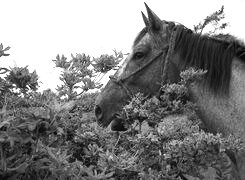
142 71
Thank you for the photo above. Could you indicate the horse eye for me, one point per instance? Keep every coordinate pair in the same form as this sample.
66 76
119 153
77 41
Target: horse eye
138 55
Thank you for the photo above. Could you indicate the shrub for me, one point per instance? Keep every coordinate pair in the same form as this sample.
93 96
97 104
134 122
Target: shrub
51 139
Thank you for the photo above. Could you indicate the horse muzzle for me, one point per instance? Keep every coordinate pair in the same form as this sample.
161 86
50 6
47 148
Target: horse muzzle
115 123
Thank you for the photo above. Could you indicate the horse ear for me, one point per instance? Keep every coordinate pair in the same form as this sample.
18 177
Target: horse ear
154 21
147 24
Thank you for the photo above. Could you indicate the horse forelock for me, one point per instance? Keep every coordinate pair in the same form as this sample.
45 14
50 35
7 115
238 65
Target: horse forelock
209 53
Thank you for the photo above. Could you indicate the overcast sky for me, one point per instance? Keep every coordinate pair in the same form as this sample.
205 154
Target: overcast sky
38 30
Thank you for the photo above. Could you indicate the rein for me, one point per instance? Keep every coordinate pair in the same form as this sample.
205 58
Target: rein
170 47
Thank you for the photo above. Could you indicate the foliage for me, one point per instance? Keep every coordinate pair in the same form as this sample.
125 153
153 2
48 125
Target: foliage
2 53
2 50
15 82
88 102
23 79
78 74
107 62
5 86
214 20
61 140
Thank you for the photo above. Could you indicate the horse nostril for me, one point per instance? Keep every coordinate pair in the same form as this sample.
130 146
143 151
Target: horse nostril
98 112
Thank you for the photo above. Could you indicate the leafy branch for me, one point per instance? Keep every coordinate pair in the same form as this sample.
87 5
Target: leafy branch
214 20
106 62
3 50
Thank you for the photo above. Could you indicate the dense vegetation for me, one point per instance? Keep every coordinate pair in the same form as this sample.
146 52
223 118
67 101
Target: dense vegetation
47 135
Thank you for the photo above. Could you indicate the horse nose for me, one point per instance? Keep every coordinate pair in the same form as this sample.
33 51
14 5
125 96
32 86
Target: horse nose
98 113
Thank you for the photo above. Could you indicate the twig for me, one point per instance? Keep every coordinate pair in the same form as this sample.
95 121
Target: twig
4 70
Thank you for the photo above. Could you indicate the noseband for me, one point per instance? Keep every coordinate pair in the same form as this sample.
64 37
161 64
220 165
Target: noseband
169 47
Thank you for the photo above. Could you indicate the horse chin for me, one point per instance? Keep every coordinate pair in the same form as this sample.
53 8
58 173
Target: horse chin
117 125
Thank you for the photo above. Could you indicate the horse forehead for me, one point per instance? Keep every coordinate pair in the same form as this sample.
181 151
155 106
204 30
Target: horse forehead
146 39
143 42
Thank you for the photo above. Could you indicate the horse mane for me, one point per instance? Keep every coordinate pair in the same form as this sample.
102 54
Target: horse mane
214 54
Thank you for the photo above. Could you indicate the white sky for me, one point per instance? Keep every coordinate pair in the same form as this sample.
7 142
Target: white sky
38 30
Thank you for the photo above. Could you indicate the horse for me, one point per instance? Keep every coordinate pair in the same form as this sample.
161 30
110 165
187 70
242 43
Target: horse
160 52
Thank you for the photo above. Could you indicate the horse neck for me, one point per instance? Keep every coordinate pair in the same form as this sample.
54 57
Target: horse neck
224 114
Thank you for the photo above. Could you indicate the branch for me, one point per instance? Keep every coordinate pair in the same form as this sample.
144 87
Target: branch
4 70
80 93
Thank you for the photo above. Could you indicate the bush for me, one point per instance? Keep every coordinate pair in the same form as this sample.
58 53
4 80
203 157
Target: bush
61 140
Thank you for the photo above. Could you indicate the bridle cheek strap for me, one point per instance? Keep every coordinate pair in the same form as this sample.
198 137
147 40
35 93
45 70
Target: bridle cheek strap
121 81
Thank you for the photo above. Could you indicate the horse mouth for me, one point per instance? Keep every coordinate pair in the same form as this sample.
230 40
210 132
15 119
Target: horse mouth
115 122
107 122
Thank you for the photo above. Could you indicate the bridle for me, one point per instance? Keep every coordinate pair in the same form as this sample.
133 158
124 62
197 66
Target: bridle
169 48
120 81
